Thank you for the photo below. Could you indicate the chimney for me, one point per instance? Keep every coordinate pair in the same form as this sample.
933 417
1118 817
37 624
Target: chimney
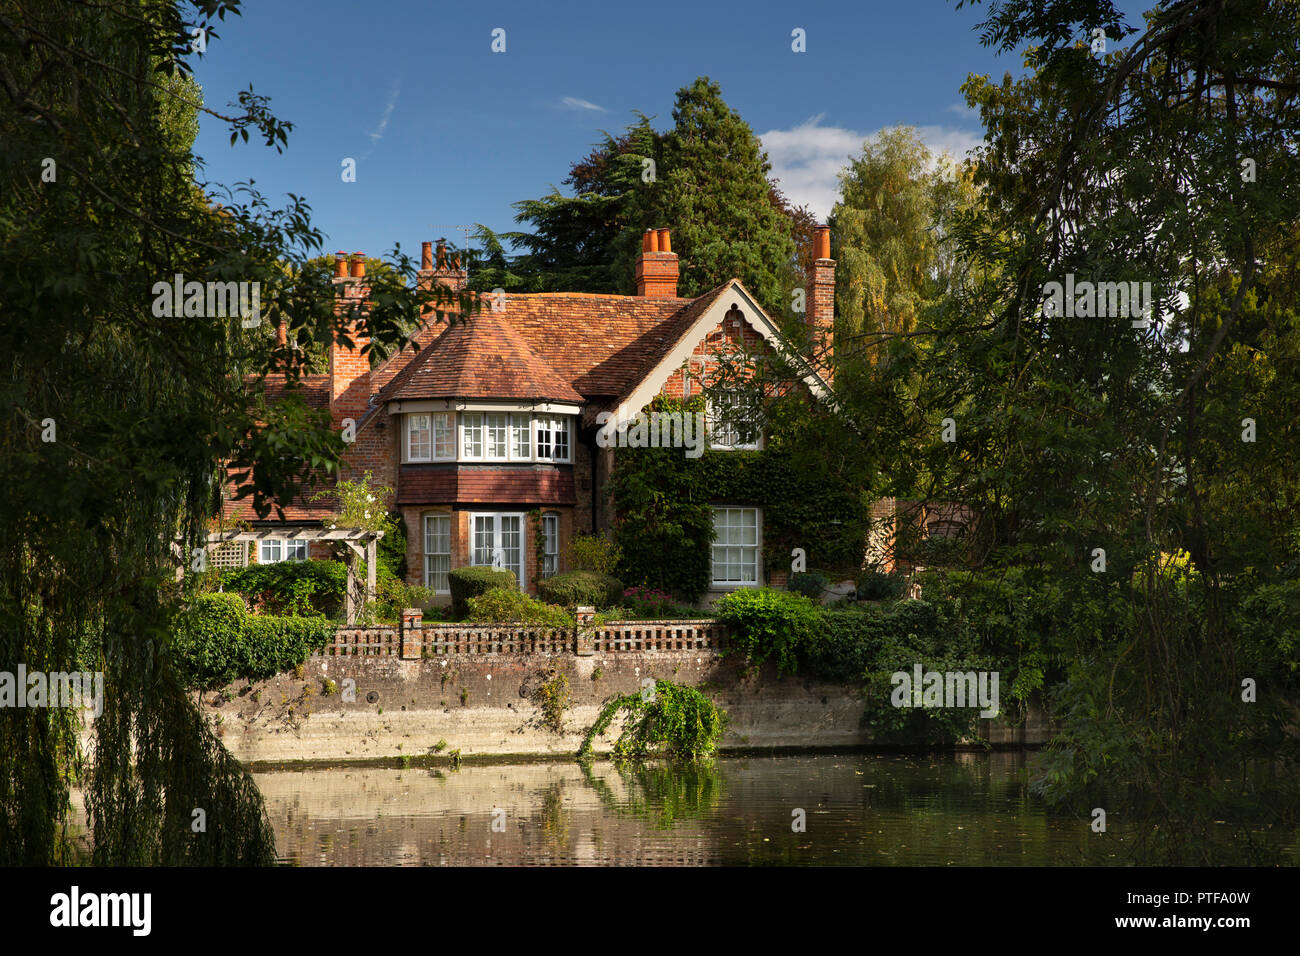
656 269
350 366
444 272
821 300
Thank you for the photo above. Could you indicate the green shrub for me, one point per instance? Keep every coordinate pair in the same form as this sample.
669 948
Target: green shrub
767 623
875 586
390 550
301 588
216 641
393 595
581 588
474 580
811 584
651 604
503 605
592 552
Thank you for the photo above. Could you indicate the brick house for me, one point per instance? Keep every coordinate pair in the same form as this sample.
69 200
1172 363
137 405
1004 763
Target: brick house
495 417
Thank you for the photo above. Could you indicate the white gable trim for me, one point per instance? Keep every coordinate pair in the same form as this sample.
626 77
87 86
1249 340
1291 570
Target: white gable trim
754 316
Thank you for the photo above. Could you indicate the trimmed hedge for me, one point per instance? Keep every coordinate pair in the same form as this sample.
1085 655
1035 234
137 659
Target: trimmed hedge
581 588
216 641
474 580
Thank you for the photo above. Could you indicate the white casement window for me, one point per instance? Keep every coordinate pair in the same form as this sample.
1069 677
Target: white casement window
736 547
521 427
419 438
498 539
550 545
496 431
437 552
732 421
274 550
553 439
471 435
444 435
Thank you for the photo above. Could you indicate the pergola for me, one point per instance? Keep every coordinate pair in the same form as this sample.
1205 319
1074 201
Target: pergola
360 544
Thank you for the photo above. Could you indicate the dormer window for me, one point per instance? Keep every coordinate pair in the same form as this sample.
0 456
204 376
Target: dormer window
732 420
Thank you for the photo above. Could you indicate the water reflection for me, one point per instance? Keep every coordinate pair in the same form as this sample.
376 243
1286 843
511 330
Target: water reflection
944 809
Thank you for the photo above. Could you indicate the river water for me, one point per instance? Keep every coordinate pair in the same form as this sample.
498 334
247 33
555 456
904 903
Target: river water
856 809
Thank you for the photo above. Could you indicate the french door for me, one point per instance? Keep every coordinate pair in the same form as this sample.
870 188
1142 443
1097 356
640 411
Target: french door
499 540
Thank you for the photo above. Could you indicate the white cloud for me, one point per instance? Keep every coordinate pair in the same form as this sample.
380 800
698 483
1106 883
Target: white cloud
378 134
808 158
573 103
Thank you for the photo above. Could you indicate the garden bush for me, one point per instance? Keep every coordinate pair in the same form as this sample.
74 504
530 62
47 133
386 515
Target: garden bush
651 604
874 585
811 584
216 641
581 588
766 623
300 588
503 605
474 580
393 595
592 552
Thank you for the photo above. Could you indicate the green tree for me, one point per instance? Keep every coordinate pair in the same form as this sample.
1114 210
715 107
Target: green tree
716 197
892 227
1083 433
706 179
119 414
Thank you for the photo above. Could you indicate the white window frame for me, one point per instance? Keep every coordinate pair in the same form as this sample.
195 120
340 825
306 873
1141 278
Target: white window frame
421 451
520 433
728 585
551 426
550 544
471 422
428 554
521 572
723 434
282 547
442 435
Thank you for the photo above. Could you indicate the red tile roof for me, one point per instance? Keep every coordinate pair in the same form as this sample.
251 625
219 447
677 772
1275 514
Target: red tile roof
482 356
595 346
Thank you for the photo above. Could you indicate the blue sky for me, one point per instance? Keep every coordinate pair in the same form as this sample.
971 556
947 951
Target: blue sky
445 131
